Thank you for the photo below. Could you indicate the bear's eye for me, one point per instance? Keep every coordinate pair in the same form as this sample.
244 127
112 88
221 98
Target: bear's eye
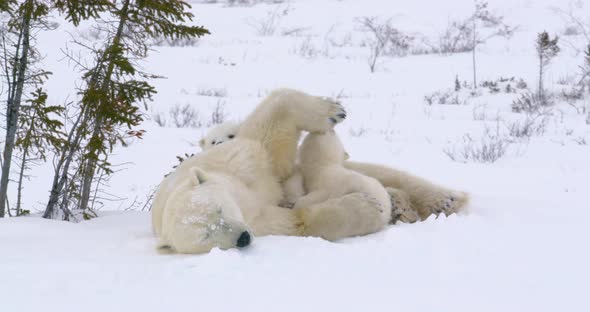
213 142
231 136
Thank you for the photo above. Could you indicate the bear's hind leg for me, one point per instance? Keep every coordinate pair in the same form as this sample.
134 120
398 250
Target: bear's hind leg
353 214
426 198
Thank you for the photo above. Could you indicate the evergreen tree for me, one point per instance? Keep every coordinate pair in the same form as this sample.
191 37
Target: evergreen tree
6 5
113 86
18 58
39 133
547 49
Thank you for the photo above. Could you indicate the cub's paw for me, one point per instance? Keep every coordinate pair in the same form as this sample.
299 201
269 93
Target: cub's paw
401 208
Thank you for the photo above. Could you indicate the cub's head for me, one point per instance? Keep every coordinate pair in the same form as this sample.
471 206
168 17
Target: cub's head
322 149
219 134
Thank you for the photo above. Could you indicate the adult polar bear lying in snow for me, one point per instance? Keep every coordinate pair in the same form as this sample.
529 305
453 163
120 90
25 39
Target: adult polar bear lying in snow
225 195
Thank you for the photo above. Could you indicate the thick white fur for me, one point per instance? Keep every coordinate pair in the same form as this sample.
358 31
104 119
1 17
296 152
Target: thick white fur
321 162
214 196
220 133
426 198
237 187
292 187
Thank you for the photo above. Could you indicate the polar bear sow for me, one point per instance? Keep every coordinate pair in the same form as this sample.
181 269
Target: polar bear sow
321 161
225 196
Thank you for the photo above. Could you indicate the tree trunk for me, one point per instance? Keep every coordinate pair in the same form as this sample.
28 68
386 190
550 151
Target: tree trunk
21 175
473 55
63 165
90 167
7 203
13 112
541 95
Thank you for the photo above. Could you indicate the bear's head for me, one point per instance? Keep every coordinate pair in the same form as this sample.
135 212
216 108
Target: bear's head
320 149
219 134
207 216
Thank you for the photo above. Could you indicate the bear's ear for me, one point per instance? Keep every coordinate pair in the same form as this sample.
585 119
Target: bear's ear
197 176
202 143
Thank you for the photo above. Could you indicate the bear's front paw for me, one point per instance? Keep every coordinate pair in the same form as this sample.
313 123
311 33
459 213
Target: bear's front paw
336 113
324 115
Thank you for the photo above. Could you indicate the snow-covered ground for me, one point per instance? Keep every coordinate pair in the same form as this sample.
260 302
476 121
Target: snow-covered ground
522 246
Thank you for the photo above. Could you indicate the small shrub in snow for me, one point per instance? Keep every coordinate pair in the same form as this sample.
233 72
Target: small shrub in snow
247 2
175 42
566 80
184 116
306 49
444 98
218 115
294 31
384 40
521 84
581 141
585 70
534 124
456 38
358 132
268 25
571 30
529 102
339 41
160 120
572 95
492 86
504 85
491 147
213 92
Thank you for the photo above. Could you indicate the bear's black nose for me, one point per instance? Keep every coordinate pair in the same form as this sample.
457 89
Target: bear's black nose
244 239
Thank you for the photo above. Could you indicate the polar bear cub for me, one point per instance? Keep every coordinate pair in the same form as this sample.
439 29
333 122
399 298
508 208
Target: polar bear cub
322 156
220 133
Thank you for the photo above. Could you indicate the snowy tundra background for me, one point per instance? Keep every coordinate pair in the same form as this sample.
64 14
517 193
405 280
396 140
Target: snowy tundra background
522 246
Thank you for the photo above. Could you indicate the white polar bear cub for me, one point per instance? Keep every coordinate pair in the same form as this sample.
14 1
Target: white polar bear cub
219 134
322 159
